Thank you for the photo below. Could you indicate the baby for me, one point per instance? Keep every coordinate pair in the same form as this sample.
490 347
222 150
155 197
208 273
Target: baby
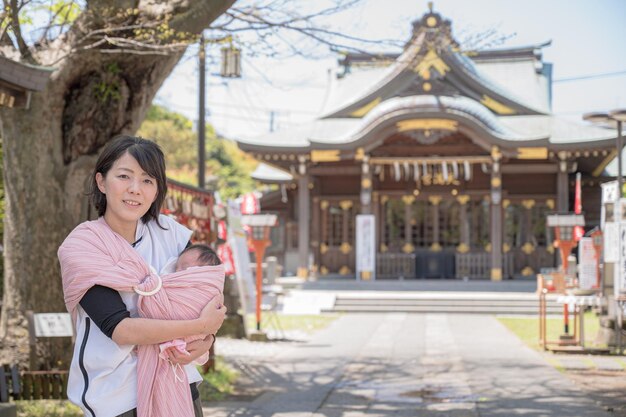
197 254
192 256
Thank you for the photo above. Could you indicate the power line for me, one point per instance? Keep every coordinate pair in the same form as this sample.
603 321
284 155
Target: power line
267 109
591 76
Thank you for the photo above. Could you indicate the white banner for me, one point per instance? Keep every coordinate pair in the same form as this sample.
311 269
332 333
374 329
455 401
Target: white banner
587 264
238 242
365 247
611 242
53 325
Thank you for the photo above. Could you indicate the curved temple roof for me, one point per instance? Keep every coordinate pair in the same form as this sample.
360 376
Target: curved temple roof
430 80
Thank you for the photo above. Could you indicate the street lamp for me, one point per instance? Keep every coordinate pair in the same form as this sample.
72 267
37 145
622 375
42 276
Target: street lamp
563 225
617 116
260 225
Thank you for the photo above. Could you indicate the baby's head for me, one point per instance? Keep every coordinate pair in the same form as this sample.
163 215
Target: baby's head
197 254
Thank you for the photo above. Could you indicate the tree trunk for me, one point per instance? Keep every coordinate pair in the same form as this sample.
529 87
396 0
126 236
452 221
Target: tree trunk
49 153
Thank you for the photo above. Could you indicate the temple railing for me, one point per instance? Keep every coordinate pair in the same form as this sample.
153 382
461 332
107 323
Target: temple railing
395 266
478 265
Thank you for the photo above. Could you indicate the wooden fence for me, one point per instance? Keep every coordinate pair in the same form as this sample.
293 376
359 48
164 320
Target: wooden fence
32 385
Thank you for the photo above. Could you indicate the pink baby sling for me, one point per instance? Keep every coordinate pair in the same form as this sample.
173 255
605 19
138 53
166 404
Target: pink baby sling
93 254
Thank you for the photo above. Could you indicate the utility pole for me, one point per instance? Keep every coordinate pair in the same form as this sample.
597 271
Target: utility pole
201 111
272 113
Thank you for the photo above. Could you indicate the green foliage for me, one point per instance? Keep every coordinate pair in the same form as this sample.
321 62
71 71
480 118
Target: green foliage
307 323
63 12
47 408
108 88
229 167
219 383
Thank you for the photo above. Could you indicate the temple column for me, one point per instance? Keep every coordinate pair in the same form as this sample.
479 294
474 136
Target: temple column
304 204
408 227
316 236
366 186
464 244
496 216
562 186
434 201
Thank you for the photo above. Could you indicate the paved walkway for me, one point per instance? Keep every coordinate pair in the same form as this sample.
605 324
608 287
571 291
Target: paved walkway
394 364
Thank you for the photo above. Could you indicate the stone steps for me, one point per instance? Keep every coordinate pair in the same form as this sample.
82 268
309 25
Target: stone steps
475 303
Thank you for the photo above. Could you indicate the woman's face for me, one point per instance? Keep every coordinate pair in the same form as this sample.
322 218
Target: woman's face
129 191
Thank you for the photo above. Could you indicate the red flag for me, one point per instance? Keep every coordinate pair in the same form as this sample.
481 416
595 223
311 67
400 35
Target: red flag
226 255
579 231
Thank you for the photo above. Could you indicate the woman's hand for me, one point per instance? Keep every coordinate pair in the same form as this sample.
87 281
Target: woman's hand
212 315
196 349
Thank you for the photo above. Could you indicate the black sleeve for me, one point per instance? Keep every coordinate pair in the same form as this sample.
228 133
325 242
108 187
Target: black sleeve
105 307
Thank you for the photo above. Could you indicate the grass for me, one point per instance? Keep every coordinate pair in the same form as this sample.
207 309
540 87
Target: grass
219 384
306 323
47 408
216 386
527 328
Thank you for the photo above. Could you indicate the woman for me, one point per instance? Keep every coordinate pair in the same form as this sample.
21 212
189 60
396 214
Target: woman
128 186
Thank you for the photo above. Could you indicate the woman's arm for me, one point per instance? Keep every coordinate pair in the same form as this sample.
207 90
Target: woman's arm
107 310
140 331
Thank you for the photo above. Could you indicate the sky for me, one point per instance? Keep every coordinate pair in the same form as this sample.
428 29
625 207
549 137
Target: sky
587 50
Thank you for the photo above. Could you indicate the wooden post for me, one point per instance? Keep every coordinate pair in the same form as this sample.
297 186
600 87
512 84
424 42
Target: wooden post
303 220
32 340
562 186
496 216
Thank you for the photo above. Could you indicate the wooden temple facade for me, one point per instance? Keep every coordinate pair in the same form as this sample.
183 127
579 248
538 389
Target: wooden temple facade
457 155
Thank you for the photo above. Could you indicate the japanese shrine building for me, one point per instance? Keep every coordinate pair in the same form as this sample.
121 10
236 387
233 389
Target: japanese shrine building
457 155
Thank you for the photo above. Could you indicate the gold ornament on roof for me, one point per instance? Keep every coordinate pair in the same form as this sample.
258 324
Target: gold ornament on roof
360 112
429 61
427 124
496 106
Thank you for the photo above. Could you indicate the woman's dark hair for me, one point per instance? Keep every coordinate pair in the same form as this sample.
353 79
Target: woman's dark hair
150 158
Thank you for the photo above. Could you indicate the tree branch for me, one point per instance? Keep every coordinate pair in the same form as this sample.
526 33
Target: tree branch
17 30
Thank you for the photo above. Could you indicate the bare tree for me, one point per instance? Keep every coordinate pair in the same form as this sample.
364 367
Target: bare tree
110 57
